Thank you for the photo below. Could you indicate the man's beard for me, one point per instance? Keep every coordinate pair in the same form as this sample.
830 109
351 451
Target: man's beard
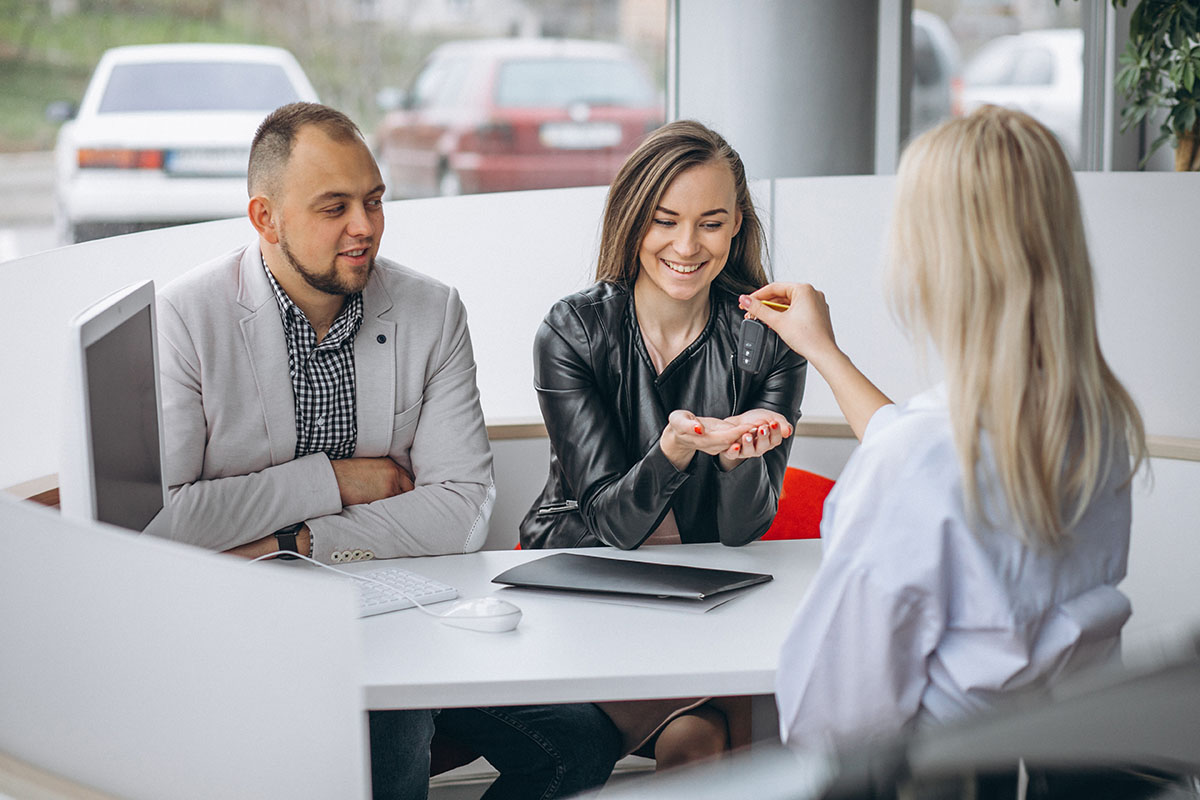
329 282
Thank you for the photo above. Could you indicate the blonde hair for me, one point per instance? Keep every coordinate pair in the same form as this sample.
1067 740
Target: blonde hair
989 260
638 188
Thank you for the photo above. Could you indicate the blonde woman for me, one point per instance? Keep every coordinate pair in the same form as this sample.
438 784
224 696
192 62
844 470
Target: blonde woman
975 539
655 436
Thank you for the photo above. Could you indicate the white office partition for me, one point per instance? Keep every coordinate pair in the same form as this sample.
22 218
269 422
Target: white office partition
1164 559
143 668
511 256
42 292
1145 248
831 232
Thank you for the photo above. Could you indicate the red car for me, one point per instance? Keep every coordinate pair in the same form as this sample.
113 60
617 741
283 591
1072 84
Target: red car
498 115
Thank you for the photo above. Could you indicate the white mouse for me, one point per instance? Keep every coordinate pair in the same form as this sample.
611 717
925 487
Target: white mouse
489 614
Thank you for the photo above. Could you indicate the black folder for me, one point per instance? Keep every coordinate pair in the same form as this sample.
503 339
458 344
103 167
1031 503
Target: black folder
573 571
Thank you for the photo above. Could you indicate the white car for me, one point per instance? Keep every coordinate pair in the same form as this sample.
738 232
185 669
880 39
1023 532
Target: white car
937 83
163 133
1038 72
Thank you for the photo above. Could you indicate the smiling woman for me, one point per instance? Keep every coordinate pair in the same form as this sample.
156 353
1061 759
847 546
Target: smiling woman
644 358
684 250
656 438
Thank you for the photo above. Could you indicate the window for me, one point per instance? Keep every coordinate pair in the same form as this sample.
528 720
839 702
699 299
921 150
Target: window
561 82
197 86
1019 55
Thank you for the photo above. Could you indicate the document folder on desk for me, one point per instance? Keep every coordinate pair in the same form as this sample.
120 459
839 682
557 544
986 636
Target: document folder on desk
573 571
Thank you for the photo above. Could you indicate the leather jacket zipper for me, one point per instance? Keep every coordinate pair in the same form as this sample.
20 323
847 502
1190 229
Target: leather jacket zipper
559 508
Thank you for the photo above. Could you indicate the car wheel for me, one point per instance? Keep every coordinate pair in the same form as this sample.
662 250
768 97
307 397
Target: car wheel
448 183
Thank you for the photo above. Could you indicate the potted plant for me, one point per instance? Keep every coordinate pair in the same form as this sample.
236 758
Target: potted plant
1160 69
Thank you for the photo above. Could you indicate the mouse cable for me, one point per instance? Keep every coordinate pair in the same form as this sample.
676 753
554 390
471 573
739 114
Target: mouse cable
353 575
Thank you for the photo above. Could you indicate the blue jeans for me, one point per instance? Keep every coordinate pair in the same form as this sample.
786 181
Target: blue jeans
541 752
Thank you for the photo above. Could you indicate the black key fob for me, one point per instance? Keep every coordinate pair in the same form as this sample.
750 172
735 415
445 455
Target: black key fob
750 347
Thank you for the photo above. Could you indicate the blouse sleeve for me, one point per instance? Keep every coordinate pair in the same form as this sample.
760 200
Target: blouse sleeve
621 505
854 662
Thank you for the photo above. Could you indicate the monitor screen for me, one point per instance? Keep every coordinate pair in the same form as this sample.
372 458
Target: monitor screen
112 468
122 406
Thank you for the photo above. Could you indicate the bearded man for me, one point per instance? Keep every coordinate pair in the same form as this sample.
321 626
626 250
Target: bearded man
322 401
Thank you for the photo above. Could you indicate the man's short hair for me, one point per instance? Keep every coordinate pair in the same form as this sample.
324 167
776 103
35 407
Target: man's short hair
276 136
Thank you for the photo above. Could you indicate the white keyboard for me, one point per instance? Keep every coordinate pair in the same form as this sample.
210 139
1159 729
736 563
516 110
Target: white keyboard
376 599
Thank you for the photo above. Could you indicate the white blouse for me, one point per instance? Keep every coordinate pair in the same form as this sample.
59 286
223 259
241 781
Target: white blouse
914 618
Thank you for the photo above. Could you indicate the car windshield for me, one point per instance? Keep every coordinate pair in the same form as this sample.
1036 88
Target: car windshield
926 69
559 82
196 86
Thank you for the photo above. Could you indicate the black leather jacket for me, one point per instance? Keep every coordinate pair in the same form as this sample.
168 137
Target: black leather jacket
605 408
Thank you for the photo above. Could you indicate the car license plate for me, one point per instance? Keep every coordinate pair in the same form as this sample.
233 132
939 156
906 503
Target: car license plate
580 135
208 161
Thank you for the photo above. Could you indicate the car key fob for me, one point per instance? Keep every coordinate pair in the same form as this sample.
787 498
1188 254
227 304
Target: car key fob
750 345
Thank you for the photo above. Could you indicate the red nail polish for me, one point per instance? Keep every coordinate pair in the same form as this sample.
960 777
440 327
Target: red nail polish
774 424
698 429
737 448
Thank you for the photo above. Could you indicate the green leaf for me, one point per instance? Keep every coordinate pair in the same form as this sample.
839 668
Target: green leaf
1186 119
1189 76
1157 143
1189 13
1136 113
1136 24
1126 79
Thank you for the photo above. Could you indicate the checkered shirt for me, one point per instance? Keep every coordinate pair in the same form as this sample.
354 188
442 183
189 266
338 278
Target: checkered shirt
322 376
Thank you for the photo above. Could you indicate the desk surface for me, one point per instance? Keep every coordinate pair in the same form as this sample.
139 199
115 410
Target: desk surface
569 650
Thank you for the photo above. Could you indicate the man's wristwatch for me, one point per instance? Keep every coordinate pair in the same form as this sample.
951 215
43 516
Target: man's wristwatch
286 539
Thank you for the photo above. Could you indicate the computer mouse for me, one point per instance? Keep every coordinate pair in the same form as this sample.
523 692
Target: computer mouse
489 614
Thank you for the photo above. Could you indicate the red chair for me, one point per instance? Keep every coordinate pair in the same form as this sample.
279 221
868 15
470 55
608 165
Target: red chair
801 504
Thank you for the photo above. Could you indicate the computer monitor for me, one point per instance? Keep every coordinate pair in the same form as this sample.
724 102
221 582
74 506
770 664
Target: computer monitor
112 457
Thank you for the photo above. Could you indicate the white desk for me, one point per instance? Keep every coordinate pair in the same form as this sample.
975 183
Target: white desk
572 650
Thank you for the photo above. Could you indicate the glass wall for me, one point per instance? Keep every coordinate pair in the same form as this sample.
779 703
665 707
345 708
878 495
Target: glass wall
1018 53
449 109
455 96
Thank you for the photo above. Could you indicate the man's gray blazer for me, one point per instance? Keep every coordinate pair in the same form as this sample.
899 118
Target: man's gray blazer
230 422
